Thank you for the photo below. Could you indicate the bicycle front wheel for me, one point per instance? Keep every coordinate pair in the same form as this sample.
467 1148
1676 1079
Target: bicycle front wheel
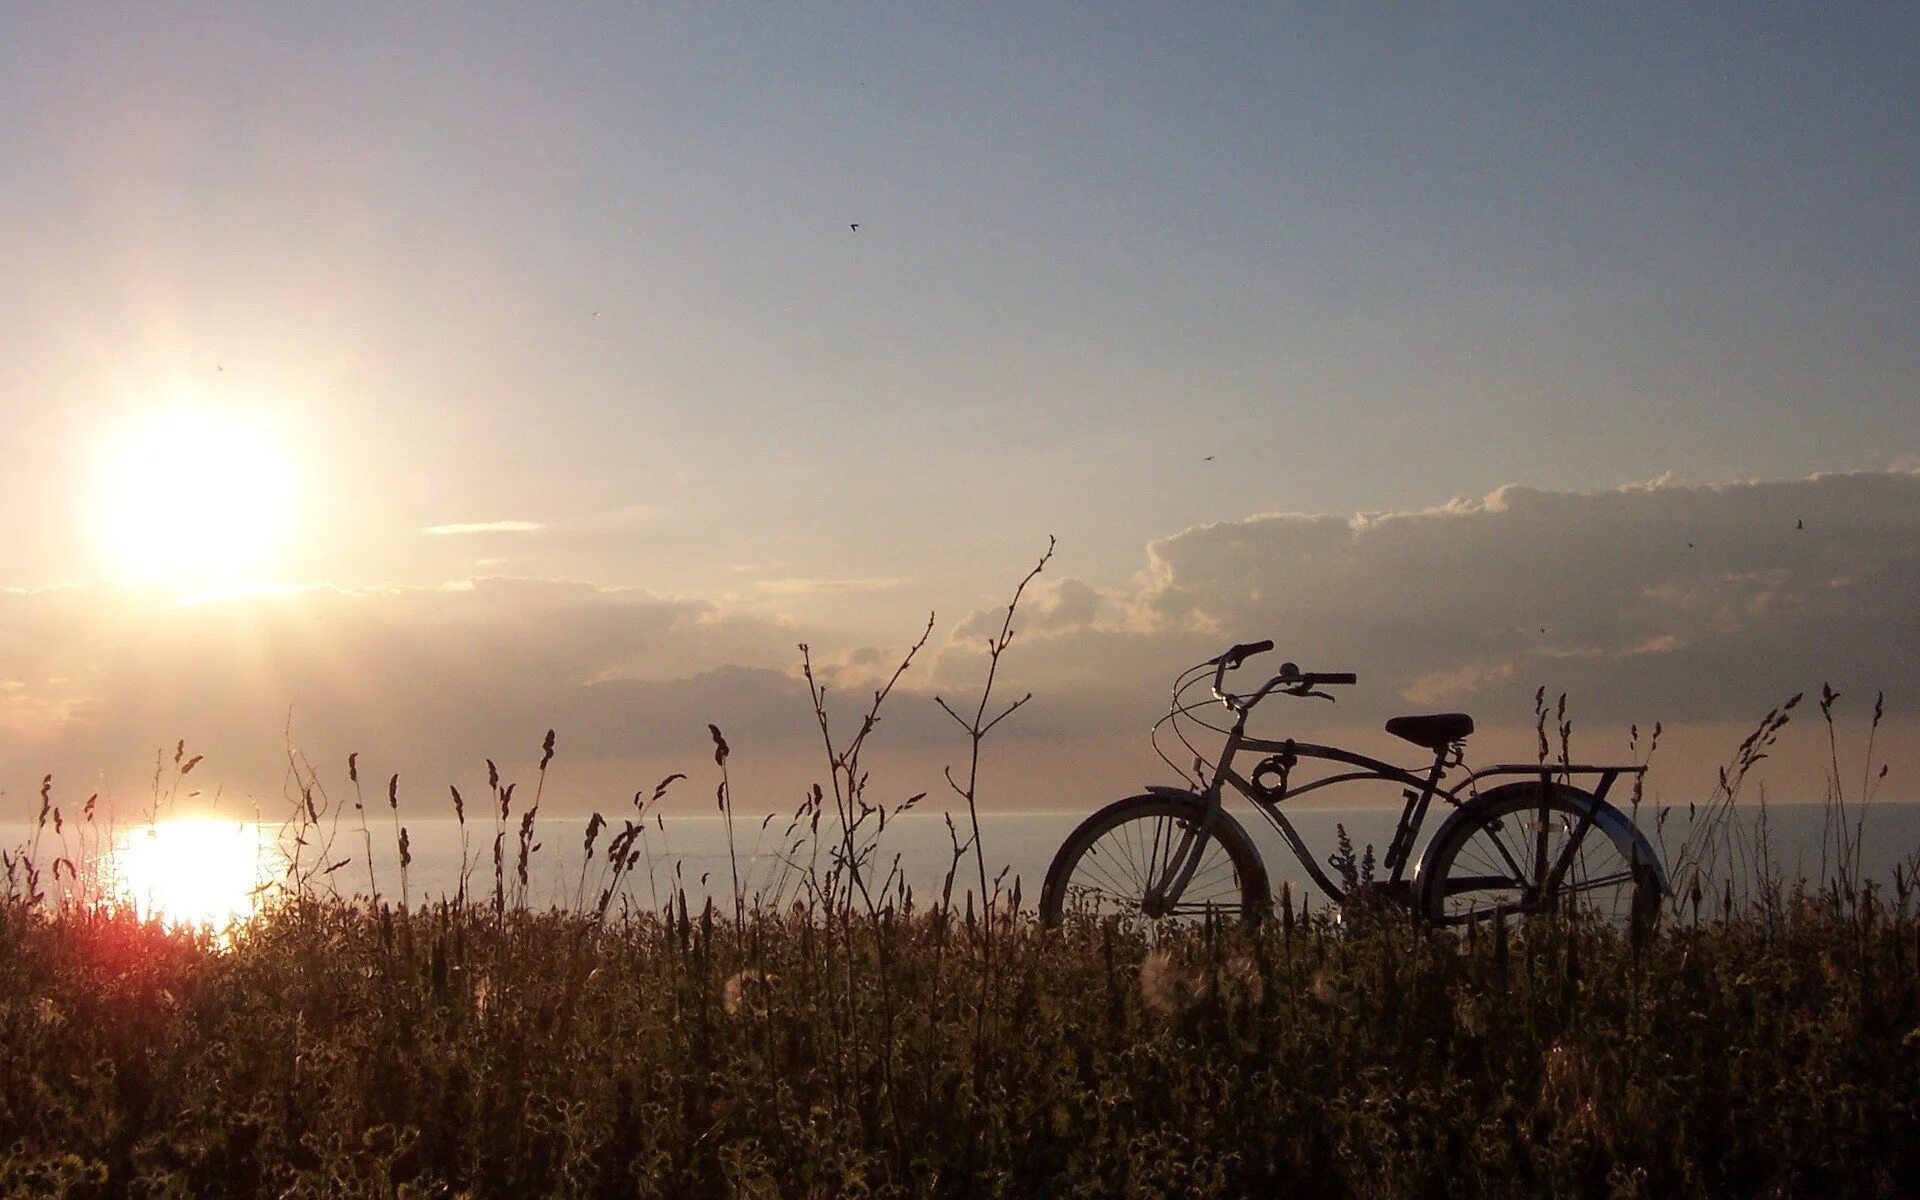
1114 863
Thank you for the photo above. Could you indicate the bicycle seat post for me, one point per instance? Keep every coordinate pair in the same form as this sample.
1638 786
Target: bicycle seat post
1415 814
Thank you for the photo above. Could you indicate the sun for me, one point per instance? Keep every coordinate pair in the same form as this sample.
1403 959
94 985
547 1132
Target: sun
192 870
193 499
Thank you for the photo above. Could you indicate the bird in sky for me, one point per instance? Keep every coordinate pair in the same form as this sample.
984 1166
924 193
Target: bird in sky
1800 524
1208 458
855 227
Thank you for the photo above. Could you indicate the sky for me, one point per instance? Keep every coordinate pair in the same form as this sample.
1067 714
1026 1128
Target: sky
411 381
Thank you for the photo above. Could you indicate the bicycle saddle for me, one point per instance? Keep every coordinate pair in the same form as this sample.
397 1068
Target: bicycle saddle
1435 731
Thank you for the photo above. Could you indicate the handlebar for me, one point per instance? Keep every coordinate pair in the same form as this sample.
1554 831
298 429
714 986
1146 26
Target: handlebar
1319 677
1291 679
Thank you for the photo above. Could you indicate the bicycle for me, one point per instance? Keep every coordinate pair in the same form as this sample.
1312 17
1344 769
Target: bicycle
1524 845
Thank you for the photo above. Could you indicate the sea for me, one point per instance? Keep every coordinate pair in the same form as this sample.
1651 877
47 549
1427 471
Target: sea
211 867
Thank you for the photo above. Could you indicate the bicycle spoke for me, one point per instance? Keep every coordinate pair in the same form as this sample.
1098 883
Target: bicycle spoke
1120 869
1131 858
1477 883
1126 861
1604 881
1115 867
1119 889
1482 872
1156 863
1493 832
1542 826
1201 910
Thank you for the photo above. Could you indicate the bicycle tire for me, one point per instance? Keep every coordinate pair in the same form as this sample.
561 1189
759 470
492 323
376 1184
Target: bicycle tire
1127 833
1474 867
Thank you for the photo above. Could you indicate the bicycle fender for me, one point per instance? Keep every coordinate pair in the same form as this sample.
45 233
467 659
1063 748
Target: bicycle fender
1606 819
1191 797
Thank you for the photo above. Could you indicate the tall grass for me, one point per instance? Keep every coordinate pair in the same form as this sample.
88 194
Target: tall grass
341 1050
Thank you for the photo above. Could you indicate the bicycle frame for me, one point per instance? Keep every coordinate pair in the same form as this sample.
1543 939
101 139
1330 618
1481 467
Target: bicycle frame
1422 791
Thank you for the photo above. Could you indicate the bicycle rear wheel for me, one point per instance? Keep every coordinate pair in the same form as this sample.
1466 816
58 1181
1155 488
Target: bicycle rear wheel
1490 858
1111 863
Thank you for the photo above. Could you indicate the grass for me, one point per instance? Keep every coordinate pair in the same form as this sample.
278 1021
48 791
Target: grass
337 1050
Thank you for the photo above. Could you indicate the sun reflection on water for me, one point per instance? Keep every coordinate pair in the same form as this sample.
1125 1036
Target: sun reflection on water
192 871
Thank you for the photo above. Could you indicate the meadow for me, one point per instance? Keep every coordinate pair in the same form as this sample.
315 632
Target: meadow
328 1049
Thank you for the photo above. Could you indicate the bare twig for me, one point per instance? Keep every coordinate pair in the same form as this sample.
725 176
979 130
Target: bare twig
980 725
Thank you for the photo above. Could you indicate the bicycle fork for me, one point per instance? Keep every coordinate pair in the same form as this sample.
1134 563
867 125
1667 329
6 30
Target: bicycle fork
1170 880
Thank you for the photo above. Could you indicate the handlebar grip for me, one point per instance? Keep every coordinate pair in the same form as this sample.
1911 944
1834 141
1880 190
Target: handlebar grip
1246 650
1334 677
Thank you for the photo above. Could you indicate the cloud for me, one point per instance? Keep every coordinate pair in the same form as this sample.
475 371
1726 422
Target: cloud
1697 601
1684 603
823 587
482 527
430 676
1652 601
1063 606
431 680
1440 687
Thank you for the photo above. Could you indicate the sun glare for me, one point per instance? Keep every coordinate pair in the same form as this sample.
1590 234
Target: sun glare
194 500
192 871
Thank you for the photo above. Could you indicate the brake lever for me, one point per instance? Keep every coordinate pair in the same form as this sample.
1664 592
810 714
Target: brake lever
1303 691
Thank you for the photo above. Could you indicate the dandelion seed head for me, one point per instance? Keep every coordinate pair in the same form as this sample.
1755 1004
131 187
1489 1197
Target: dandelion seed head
1165 986
1325 988
746 991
